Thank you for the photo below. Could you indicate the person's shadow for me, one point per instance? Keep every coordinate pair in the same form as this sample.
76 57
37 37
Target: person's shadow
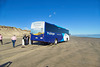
7 64
7 43
18 45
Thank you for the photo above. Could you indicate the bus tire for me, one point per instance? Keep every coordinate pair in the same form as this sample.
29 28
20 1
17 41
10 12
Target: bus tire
55 42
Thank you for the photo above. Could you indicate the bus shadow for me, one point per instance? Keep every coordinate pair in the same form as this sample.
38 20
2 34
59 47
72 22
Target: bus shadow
46 44
41 43
7 64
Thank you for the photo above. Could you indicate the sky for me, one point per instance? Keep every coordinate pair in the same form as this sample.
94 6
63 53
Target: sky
79 16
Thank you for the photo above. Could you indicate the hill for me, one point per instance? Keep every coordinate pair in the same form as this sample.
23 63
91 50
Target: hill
8 31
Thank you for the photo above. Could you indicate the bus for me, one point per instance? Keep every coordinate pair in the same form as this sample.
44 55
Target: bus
45 32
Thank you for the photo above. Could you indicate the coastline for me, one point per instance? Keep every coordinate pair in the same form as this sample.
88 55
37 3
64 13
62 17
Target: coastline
86 36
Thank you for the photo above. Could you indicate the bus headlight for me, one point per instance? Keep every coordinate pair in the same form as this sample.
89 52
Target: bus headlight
36 37
41 37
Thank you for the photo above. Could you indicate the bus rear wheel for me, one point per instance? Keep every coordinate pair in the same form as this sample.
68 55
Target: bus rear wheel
56 41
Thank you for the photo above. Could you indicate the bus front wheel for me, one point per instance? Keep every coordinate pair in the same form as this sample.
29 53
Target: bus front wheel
56 41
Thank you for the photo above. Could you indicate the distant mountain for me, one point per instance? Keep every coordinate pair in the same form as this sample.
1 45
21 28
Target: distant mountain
8 31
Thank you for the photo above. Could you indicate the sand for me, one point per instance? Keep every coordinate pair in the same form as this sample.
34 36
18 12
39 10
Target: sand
78 52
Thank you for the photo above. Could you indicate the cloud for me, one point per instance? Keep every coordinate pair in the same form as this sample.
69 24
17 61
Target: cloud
50 15
54 13
25 28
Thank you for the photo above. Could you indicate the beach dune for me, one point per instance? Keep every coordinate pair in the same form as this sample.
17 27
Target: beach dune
8 31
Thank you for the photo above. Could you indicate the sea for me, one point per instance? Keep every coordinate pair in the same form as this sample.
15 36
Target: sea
90 36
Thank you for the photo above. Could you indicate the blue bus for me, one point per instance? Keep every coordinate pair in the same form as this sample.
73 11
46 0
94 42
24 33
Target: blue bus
46 32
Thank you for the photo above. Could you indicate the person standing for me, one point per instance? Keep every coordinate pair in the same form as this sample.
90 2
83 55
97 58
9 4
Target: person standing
25 38
28 39
1 39
13 40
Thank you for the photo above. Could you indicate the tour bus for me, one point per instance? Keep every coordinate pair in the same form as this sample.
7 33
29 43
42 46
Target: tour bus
46 32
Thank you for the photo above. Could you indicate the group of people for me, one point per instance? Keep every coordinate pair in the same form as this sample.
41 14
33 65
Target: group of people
26 40
14 38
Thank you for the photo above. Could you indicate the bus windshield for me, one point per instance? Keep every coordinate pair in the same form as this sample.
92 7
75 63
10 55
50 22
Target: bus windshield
37 31
37 28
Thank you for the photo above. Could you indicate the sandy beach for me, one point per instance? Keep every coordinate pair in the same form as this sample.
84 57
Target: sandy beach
78 52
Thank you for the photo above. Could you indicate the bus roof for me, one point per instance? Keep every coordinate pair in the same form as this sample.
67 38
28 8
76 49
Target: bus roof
49 23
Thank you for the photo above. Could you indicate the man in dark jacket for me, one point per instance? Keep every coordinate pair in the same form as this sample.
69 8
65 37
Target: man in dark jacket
25 38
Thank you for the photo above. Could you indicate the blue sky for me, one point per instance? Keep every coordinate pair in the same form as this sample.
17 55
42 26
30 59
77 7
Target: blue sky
79 16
